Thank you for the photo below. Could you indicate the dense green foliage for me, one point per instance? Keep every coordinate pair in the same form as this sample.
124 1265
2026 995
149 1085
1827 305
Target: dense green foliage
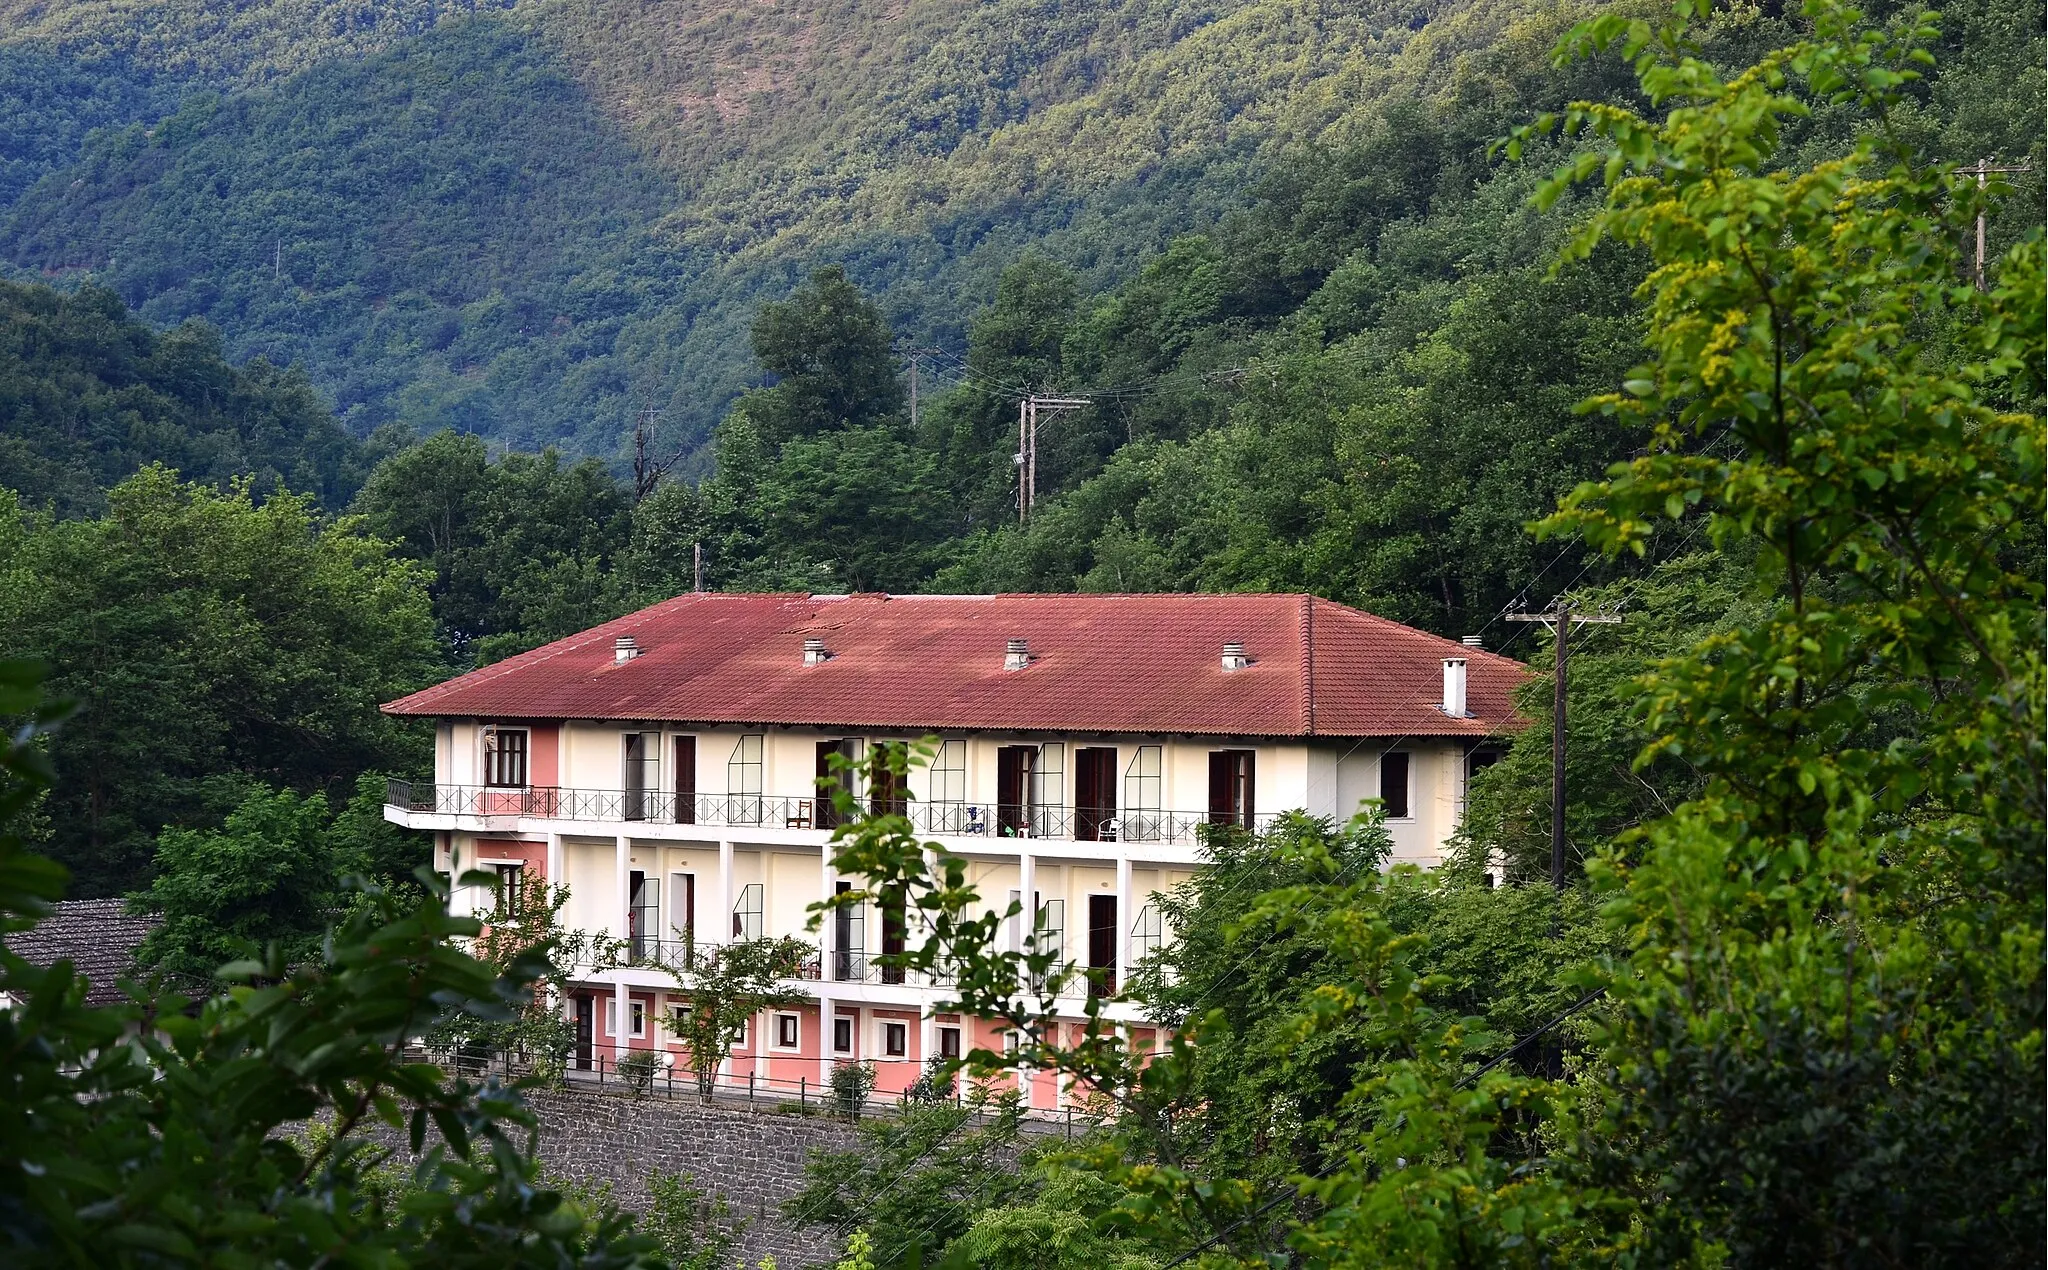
275 874
1820 965
88 394
434 233
170 1131
211 643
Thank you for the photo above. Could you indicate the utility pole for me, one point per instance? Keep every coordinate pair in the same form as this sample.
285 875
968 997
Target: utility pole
697 567
1982 172
277 261
916 355
1027 445
1560 619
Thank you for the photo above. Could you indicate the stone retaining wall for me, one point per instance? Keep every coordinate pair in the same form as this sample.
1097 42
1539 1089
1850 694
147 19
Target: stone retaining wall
752 1158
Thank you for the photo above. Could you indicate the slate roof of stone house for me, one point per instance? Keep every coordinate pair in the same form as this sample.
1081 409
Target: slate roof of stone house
1144 664
99 936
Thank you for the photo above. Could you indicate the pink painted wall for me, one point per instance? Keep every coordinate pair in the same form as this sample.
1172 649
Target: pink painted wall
544 755
533 855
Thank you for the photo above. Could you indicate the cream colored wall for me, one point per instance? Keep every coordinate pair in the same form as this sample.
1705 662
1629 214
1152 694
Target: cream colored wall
590 871
793 885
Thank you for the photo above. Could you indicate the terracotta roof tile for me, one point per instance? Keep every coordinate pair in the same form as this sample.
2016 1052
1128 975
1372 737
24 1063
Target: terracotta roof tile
1100 663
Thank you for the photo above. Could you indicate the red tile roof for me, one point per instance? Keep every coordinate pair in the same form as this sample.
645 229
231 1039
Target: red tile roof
1100 663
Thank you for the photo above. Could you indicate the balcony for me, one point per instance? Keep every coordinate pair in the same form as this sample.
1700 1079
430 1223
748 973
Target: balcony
686 955
652 807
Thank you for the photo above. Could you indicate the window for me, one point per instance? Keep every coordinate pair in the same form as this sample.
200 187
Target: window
511 883
1050 937
949 788
637 1014
949 1042
743 781
642 775
678 1018
788 1031
1146 933
1232 787
895 1040
842 1035
1144 789
849 937
1394 784
746 912
505 757
643 916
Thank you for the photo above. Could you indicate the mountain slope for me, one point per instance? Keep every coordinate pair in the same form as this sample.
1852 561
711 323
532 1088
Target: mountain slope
533 219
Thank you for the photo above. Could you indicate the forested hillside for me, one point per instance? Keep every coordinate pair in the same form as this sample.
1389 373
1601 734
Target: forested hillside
531 221
88 394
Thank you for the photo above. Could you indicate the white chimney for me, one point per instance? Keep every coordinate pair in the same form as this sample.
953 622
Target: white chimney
1017 654
1454 687
624 649
1233 656
815 652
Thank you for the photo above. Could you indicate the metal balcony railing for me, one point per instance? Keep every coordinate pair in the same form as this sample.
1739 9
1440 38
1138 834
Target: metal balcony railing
626 806
686 955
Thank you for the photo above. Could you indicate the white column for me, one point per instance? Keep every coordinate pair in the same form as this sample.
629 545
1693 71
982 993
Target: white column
622 1007
1125 916
927 1034
622 867
828 947
554 864
1026 926
725 896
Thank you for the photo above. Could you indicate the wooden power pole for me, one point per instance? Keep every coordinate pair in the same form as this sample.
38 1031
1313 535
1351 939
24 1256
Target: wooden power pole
1982 172
1028 411
1559 620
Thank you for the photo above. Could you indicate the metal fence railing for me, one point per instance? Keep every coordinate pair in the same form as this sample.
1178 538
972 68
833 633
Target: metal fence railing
961 819
644 1073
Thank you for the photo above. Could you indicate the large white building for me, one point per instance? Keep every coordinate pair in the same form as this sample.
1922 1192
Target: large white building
664 767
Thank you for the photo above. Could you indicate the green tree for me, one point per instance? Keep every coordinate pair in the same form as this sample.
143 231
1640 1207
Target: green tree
1836 947
860 505
89 394
172 1133
828 348
270 876
915 1181
523 549
213 642
728 985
